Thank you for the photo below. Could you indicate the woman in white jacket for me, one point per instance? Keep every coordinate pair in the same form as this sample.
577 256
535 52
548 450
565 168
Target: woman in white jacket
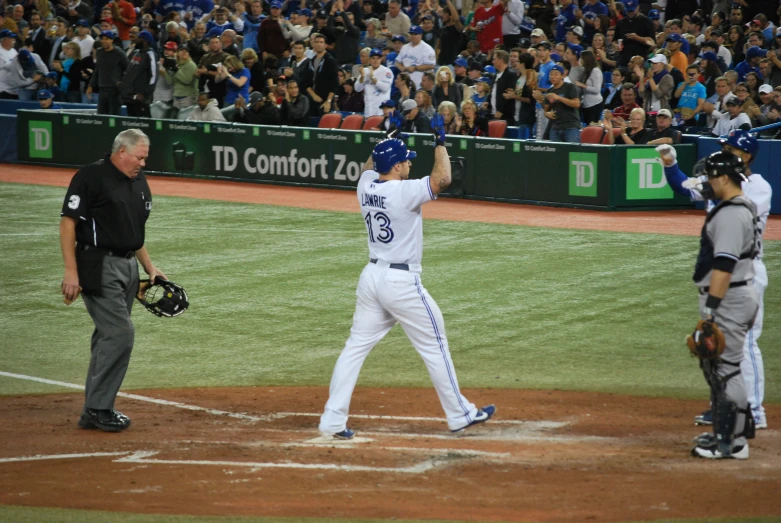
592 103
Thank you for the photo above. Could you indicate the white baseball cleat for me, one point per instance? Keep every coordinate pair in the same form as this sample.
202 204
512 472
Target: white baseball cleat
714 453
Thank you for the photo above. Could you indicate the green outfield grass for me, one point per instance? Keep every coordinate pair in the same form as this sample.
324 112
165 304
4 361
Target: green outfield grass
35 515
272 292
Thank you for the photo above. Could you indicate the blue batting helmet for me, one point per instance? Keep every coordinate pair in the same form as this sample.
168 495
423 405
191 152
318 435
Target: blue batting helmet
388 153
740 139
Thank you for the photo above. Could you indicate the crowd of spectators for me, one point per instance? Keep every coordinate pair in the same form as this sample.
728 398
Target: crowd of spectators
547 67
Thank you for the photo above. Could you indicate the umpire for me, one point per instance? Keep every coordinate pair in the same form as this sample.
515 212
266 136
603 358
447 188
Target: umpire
724 274
102 236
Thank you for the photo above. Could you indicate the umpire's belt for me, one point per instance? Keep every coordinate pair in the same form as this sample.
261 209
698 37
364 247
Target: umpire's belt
399 266
704 290
109 252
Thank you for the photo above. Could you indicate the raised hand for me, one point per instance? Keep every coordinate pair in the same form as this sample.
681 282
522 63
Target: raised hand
396 123
438 128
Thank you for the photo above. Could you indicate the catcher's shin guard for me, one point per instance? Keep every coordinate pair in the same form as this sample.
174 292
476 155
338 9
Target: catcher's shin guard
725 416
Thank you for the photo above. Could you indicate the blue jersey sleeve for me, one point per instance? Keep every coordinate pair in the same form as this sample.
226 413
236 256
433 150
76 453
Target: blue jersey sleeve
675 177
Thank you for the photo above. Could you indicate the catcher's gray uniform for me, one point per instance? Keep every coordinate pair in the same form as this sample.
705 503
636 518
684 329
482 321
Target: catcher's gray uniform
730 232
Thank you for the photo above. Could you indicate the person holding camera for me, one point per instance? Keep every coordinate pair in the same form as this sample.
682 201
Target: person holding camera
167 67
295 106
220 19
261 109
342 24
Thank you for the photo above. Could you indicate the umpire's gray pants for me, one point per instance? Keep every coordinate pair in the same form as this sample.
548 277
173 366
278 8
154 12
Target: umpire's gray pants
734 317
112 340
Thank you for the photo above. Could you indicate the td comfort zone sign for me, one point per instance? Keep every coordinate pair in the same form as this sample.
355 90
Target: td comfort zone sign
582 174
40 139
645 178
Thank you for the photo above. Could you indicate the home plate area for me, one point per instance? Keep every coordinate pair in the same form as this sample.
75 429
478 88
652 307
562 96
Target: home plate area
547 455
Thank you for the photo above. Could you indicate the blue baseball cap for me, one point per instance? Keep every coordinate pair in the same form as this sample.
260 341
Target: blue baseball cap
5 33
485 80
52 74
25 56
388 103
674 37
416 30
388 153
399 38
490 69
631 5
45 94
82 23
710 55
556 57
276 5
557 68
755 52
653 14
575 48
460 62
304 12
375 52
108 34
146 35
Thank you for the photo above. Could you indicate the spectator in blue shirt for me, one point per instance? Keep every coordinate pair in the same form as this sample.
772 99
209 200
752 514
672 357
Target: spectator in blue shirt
568 15
591 10
691 96
751 63
252 22
237 78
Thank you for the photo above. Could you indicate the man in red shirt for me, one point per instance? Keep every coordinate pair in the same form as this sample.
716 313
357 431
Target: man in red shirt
124 16
628 102
487 22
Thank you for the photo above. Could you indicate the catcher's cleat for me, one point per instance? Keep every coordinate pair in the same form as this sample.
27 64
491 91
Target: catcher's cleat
482 416
706 418
714 453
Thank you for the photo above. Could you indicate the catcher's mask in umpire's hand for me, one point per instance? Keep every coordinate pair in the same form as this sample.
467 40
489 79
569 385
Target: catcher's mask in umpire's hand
162 297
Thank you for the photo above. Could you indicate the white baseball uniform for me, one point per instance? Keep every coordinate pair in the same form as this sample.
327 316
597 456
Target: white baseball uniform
759 191
421 54
390 291
375 93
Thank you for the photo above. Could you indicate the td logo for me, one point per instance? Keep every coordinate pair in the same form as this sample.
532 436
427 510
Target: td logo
582 174
40 139
645 178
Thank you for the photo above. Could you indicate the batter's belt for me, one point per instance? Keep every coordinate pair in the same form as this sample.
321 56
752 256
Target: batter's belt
399 266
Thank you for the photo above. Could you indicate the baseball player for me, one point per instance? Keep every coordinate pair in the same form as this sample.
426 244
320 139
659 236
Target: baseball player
724 274
390 288
375 82
758 190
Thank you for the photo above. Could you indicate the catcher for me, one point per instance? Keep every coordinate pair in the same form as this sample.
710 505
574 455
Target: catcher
728 304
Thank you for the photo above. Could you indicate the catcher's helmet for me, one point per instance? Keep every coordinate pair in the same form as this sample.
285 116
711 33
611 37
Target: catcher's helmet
723 162
743 140
388 153
162 297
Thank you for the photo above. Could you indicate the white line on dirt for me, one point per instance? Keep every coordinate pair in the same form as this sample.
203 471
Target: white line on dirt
62 456
147 399
144 457
405 418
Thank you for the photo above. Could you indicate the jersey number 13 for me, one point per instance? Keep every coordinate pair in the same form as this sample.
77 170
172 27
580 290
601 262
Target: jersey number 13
383 227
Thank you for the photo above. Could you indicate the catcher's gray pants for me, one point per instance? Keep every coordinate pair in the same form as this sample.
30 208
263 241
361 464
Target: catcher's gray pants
112 340
734 317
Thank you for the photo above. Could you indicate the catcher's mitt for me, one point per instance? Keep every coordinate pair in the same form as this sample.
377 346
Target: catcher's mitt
707 341
162 297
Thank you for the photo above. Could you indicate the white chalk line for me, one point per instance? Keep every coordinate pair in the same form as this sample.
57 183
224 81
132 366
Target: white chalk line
241 416
145 457
147 399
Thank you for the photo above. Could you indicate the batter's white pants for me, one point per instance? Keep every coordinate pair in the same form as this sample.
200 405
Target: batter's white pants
387 296
751 366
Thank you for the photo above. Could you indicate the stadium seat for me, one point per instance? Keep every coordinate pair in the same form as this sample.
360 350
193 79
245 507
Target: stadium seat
605 139
185 112
592 134
496 128
353 122
330 121
372 121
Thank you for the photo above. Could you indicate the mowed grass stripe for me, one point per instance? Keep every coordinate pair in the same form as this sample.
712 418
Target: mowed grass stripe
272 292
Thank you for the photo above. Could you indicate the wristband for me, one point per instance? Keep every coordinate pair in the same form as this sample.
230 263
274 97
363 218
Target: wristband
712 302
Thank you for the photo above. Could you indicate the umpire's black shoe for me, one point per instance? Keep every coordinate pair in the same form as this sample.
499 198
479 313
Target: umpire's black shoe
106 420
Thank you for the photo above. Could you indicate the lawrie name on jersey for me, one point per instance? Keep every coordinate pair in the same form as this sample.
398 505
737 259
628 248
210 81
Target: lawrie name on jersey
373 200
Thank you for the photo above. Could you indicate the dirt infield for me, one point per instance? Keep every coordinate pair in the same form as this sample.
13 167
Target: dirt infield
548 455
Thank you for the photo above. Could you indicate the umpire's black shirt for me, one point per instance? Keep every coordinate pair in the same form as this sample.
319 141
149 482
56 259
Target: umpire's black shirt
111 208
